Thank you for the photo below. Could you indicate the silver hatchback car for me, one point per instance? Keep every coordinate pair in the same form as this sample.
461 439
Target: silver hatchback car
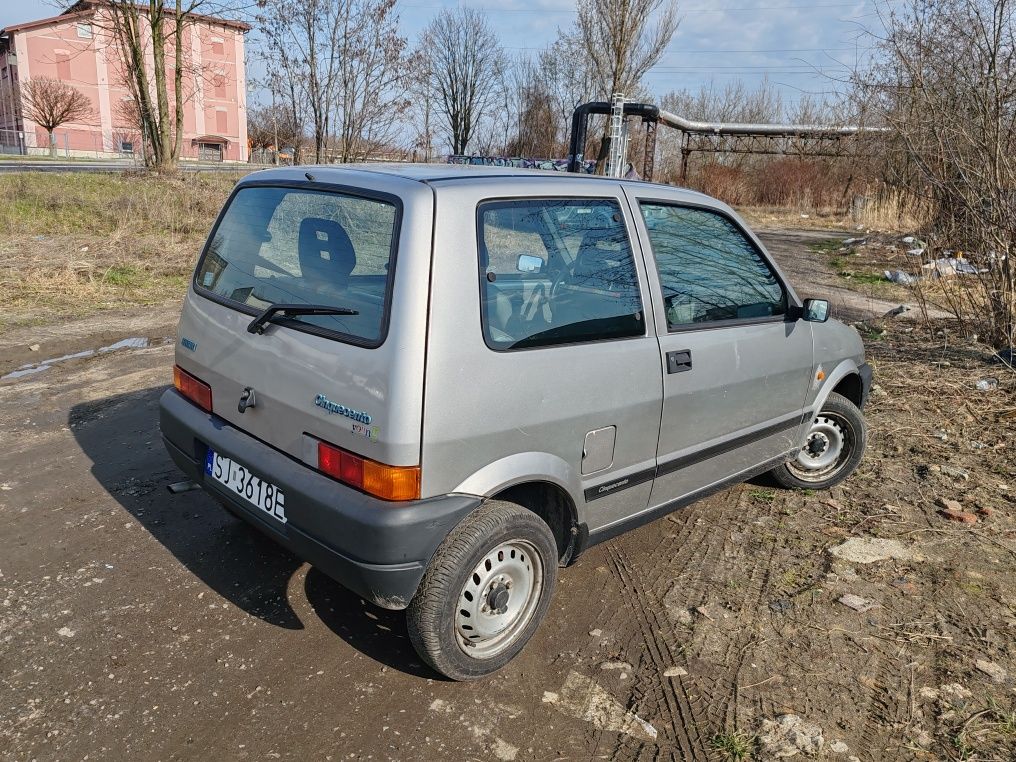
439 384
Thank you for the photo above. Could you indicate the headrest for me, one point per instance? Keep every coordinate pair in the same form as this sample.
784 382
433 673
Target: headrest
325 249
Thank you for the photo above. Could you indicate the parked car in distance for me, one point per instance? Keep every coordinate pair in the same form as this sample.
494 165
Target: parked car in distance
439 384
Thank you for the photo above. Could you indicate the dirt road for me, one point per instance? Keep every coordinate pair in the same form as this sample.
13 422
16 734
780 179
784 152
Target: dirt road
139 624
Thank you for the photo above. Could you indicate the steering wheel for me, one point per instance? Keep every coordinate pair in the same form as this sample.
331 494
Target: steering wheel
565 270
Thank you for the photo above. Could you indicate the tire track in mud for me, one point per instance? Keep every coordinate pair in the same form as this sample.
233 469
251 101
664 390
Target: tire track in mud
689 547
682 723
694 553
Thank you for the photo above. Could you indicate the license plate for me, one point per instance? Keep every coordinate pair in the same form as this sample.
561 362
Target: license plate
239 480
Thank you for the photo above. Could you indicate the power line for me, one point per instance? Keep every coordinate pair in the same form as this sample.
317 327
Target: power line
745 50
680 11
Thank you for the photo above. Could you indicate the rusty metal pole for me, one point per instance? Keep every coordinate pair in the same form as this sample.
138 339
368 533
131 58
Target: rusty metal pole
649 157
685 153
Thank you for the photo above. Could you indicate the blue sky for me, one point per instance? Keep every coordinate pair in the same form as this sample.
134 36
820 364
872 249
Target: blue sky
797 44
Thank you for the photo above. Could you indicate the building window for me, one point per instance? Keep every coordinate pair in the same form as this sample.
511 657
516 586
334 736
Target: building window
85 31
63 66
218 46
220 122
219 82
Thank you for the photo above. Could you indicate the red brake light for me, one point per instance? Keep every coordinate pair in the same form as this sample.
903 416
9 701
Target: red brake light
386 482
195 390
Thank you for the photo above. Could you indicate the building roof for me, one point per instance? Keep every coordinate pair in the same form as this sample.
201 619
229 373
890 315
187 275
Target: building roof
85 8
65 16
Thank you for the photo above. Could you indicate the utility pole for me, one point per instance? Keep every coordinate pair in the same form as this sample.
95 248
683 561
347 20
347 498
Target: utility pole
275 125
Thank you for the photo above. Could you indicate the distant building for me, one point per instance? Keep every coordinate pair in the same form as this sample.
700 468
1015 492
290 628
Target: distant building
76 47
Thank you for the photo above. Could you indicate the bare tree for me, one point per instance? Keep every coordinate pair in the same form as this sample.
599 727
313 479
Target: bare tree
421 108
531 106
262 131
375 73
303 36
944 81
156 29
568 77
463 57
622 41
289 109
51 103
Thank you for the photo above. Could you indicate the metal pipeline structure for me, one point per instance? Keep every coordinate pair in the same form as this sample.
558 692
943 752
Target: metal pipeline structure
715 137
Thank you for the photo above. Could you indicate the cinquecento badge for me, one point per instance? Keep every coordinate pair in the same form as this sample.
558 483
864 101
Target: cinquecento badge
336 409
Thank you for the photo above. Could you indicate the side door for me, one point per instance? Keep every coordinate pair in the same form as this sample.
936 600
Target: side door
553 373
737 365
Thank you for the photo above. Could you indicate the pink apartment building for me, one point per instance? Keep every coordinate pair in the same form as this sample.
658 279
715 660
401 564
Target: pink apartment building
77 47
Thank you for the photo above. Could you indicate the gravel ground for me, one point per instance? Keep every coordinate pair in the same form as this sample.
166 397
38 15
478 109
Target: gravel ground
860 623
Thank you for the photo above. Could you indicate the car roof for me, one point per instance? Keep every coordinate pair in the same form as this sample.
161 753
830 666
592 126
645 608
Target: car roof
344 174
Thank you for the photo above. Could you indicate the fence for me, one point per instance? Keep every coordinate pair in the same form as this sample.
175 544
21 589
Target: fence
68 144
555 165
12 142
122 145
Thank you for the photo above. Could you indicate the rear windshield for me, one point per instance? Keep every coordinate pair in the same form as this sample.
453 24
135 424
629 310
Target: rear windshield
296 246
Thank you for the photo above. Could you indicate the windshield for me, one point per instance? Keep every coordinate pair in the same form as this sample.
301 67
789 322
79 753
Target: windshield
296 246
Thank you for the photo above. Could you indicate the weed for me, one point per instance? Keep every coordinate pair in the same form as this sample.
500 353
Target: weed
828 246
869 279
735 745
124 276
762 495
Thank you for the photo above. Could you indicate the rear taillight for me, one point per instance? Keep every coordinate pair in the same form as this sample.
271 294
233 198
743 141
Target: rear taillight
196 391
377 479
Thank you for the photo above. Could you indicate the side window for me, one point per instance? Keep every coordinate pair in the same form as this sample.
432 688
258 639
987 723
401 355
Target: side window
556 272
709 270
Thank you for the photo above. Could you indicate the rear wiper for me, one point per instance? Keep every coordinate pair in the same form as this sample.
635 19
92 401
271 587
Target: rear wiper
258 324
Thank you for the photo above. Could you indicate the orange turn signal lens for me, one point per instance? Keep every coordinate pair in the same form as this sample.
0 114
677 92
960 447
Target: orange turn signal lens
192 388
393 483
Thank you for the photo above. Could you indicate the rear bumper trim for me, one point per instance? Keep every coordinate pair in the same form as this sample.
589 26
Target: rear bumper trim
377 549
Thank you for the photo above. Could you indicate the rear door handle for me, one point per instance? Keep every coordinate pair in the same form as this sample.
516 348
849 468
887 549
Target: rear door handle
679 361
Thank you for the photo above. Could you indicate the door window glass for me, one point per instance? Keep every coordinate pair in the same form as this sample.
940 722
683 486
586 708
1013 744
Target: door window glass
556 272
709 269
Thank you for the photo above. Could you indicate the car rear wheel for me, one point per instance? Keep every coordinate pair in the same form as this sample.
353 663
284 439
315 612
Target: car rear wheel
832 450
485 591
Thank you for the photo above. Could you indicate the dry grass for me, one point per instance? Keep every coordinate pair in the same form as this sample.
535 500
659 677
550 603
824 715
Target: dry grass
885 210
75 244
774 217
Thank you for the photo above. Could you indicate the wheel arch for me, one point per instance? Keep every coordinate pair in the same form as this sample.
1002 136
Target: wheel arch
551 503
845 376
540 482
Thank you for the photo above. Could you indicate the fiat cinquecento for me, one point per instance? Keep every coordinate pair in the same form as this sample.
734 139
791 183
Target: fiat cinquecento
439 384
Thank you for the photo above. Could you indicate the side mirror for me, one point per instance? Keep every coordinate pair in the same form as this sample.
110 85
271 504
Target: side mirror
529 263
815 310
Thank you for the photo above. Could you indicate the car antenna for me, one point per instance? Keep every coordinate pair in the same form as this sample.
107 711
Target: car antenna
309 176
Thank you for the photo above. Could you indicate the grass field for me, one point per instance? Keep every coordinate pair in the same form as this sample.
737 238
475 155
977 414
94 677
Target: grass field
75 244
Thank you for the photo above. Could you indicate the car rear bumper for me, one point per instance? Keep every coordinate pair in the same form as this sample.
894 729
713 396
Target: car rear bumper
377 549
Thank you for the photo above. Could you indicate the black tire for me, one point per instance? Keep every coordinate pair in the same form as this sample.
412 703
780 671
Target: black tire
435 609
845 415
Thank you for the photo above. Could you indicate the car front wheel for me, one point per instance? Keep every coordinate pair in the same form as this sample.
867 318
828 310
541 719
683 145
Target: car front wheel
832 449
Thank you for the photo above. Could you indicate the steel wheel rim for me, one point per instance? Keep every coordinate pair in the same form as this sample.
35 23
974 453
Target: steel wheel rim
498 599
826 449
